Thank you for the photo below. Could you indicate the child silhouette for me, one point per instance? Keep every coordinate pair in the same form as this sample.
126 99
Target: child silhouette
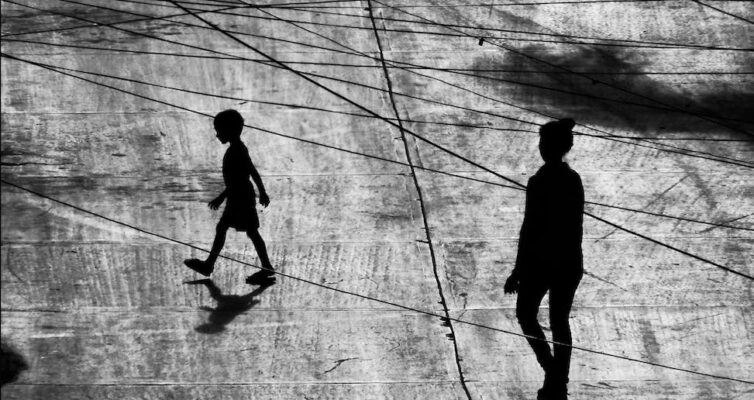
549 255
240 209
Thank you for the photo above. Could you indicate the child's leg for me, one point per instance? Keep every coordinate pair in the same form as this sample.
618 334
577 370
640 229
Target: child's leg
259 245
217 245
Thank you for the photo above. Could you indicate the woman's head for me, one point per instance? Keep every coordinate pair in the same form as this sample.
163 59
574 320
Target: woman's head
228 125
556 139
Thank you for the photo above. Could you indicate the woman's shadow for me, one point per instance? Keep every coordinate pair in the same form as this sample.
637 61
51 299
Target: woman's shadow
228 306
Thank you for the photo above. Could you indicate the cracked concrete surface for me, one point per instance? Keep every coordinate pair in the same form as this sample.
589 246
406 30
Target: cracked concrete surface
101 312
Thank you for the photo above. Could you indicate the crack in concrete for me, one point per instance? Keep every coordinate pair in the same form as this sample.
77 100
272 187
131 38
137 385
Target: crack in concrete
408 151
338 364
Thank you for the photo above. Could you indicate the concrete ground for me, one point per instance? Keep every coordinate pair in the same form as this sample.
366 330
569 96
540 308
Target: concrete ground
98 310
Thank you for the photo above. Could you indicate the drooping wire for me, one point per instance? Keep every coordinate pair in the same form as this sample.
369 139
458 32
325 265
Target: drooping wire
141 82
363 296
392 65
604 135
422 138
575 73
607 135
720 10
449 151
627 43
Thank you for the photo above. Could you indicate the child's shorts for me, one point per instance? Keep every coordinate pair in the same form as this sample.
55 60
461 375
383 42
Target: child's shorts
241 215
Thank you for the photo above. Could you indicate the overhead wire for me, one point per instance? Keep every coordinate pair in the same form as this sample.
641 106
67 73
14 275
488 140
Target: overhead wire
80 209
162 86
628 43
363 296
443 148
713 120
515 82
604 135
720 10
683 151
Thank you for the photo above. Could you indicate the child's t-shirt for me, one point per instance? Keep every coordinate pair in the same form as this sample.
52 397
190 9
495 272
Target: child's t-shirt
236 171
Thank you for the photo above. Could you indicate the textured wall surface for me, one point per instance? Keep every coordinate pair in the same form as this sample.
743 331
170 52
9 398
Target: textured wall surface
662 91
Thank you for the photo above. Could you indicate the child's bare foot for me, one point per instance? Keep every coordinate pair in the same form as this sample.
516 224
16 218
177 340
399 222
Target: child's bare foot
200 266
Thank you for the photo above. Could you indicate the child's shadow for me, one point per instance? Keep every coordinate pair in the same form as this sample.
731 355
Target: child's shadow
228 306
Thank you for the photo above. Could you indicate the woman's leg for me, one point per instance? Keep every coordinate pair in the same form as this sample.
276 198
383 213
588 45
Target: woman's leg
561 299
527 307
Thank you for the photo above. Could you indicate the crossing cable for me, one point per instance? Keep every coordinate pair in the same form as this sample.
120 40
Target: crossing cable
723 11
356 52
301 106
425 220
312 142
353 52
604 135
604 205
604 41
639 42
441 123
489 5
471 162
420 67
686 152
505 178
576 73
363 296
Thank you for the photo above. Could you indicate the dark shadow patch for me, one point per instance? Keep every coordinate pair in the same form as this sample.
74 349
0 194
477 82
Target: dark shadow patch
12 364
595 100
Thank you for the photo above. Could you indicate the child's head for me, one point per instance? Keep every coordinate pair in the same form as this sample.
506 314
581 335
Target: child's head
556 139
228 125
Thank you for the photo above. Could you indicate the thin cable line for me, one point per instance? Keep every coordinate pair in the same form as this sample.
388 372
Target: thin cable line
582 75
505 178
359 295
356 53
598 40
44 66
606 135
393 123
464 125
57 68
687 152
724 12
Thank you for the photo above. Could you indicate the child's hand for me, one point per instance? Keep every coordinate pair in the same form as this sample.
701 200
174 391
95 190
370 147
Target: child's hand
511 285
264 200
215 204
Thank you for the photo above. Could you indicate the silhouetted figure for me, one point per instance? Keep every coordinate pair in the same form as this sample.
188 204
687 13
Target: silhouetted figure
240 210
11 364
549 255
228 306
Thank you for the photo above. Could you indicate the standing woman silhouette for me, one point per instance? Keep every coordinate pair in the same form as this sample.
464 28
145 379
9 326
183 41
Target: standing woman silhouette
549 255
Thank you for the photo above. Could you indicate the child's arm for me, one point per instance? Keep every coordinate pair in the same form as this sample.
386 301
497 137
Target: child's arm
215 204
263 199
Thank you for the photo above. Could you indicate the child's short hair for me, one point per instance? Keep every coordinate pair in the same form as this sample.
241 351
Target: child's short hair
558 134
229 121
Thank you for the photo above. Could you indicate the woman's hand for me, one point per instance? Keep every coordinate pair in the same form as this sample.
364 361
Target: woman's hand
511 285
